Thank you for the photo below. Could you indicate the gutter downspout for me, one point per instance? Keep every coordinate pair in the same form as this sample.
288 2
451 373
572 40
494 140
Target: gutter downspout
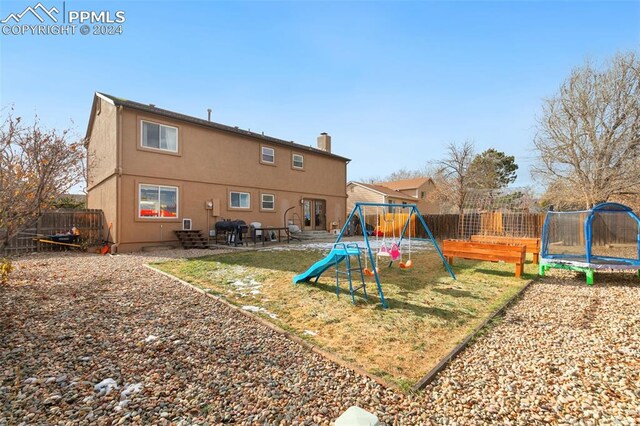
114 248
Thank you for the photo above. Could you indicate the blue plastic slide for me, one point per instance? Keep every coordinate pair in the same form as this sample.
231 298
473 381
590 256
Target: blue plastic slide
335 256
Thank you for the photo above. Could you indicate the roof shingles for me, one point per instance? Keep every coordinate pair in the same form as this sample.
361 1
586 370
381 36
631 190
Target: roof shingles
386 191
403 184
194 120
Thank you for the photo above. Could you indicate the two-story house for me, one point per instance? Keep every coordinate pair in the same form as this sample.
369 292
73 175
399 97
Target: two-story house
150 169
419 189
407 191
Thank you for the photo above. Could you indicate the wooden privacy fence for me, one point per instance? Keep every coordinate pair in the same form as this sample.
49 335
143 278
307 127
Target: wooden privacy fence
90 223
442 226
497 223
456 226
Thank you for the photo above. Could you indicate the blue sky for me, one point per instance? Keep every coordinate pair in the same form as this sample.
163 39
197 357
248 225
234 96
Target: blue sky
392 82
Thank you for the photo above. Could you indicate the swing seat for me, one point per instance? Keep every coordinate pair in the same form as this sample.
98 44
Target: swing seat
406 265
369 273
384 251
394 252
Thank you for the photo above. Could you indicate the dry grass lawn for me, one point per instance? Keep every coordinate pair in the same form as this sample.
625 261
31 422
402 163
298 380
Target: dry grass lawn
429 313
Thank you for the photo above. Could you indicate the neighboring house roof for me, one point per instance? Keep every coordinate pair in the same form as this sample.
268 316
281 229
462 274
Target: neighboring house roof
194 120
384 191
403 184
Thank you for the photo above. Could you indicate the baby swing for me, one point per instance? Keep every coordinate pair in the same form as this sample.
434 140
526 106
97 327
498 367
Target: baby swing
392 251
388 250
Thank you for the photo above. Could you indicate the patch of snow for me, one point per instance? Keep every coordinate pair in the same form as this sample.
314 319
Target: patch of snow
246 286
257 309
310 333
130 390
106 386
151 338
375 245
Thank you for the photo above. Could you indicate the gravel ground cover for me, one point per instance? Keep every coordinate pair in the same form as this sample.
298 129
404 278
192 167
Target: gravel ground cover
87 339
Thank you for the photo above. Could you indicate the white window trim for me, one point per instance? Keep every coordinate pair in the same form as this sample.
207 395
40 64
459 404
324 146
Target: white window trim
273 154
159 149
262 207
140 185
231 206
293 162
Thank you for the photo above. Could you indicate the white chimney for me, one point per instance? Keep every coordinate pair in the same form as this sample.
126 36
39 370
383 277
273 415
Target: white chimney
324 142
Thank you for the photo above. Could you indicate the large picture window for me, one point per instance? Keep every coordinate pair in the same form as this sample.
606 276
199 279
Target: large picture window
240 200
157 201
268 155
268 201
159 136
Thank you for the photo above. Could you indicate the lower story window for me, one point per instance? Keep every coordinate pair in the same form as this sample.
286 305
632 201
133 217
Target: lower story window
268 202
240 200
157 201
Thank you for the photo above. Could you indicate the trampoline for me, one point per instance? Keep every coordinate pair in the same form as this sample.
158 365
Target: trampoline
607 237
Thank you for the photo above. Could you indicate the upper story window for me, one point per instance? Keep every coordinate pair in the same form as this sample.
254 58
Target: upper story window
297 161
268 155
240 200
157 201
423 194
159 136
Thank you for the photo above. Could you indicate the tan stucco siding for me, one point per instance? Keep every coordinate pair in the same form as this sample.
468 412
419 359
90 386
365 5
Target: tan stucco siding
138 232
213 156
104 196
208 165
102 148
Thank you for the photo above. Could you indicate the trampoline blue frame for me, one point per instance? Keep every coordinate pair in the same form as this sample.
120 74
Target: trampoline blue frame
589 262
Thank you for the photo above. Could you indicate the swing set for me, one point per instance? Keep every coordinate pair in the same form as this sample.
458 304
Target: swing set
391 231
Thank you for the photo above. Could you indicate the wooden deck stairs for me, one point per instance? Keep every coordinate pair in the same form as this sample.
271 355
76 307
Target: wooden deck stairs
192 239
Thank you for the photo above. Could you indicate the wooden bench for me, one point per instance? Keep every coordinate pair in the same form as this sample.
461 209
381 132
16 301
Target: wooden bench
532 245
485 251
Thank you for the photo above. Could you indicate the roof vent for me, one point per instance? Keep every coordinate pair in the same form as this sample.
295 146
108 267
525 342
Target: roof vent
209 114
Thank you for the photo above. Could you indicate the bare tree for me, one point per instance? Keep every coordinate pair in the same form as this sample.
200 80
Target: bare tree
588 138
36 166
452 175
399 174
403 174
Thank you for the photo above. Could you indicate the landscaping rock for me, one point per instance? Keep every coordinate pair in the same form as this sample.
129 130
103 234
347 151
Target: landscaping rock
566 353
